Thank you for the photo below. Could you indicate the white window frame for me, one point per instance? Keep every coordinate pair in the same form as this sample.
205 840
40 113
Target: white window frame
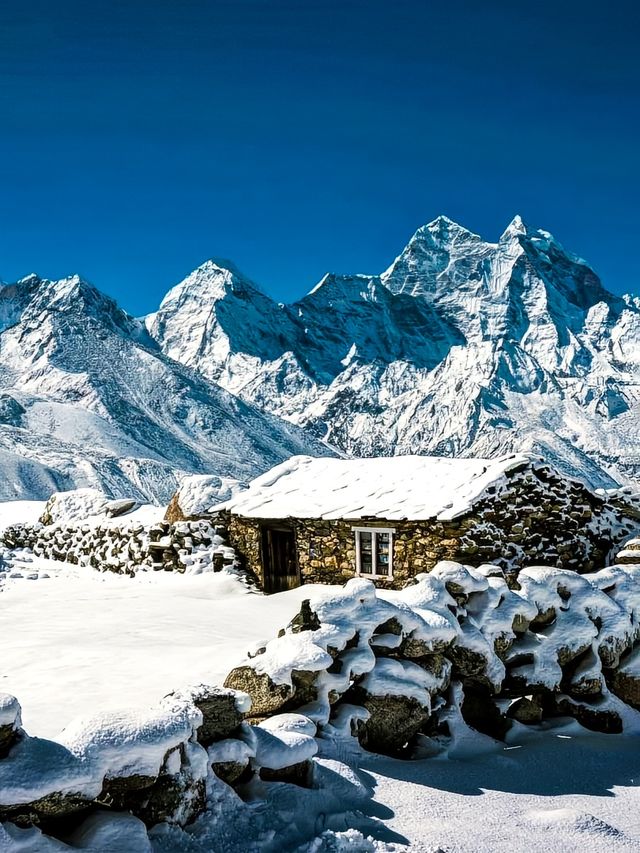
374 551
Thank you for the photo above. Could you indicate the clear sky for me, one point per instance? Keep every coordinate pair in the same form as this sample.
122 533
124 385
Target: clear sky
139 138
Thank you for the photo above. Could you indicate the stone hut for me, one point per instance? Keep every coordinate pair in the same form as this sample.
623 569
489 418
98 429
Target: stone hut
324 520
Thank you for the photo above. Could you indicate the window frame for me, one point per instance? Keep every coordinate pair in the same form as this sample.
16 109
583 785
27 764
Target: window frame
374 531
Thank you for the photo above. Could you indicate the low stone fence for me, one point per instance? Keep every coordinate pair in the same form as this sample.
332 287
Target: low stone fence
157 766
188 546
457 648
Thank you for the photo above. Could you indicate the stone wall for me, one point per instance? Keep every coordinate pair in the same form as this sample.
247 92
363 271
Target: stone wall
456 645
187 546
153 765
535 517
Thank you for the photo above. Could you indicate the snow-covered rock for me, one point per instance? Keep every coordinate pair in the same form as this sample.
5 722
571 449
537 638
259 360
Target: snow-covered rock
198 493
82 505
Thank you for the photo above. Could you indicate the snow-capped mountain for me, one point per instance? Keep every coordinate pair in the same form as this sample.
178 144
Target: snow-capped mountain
460 347
88 399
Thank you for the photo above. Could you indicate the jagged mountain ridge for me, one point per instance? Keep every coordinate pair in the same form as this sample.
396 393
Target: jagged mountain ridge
88 398
461 347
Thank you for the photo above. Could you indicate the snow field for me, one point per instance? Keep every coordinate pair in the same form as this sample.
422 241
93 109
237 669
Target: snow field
75 640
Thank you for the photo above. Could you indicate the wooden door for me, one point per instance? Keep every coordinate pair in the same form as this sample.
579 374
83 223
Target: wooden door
279 559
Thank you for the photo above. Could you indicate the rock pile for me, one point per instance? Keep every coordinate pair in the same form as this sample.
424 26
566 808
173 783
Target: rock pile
188 546
458 645
157 765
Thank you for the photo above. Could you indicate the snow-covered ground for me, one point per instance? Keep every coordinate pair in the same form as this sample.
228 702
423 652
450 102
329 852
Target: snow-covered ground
75 641
78 639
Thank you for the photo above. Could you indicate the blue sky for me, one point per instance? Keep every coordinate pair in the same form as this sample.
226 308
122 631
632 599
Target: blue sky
139 138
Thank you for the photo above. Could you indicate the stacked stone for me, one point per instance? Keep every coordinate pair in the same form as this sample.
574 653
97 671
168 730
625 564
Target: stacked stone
560 645
57 787
126 548
630 553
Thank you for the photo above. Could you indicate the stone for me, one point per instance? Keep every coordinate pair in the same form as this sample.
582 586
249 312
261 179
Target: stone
52 812
391 626
626 686
481 712
543 619
232 772
174 512
467 663
567 654
525 710
393 723
436 664
268 698
220 708
305 620
300 774
10 722
8 737
595 716
120 507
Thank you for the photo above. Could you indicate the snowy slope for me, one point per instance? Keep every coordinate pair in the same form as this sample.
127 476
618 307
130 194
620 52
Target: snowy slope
87 399
460 347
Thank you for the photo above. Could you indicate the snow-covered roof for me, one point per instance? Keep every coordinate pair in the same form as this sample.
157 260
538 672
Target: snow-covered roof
393 488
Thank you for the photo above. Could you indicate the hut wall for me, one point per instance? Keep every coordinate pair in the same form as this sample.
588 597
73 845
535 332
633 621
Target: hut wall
534 517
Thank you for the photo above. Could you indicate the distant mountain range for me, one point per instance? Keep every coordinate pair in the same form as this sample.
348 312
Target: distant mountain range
461 347
88 398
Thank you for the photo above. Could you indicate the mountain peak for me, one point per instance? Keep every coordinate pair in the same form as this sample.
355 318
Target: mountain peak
444 229
210 282
515 228
31 278
218 264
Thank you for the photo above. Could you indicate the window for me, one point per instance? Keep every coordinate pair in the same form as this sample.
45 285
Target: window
374 551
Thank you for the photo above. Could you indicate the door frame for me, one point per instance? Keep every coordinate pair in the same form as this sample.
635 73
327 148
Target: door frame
265 560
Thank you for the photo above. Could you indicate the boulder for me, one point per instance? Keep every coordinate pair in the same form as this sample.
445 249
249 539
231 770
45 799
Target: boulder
10 722
393 722
231 772
53 812
525 710
596 715
222 710
625 682
266 696
467 663
305 620
116 508
480 711
300 774
174 512
177 794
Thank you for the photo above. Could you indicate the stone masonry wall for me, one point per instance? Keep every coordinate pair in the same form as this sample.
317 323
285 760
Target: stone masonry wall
126 548
535 516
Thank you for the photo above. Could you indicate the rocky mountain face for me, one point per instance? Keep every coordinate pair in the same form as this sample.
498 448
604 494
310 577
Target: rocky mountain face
88 399
461 347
